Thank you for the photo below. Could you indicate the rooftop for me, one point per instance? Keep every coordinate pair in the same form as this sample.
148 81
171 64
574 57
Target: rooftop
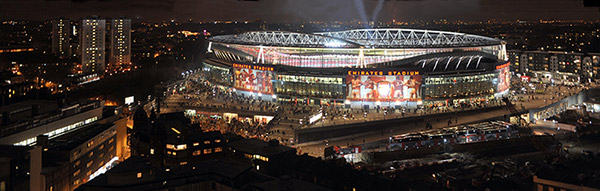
357 38
256 146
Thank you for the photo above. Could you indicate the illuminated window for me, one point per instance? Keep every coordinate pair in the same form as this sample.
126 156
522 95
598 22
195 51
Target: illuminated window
181 147
183 163
101 147
169 146
217 140
76 173
207 151
196 144
197 152
139 175
151 151
76 163
206 142
89 164
218 149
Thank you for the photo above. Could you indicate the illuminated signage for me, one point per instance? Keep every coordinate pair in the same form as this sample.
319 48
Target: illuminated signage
129 100
246 66
503 66
381 73
315 118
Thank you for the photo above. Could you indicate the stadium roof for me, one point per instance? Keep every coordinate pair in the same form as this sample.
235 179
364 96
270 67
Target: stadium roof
367 38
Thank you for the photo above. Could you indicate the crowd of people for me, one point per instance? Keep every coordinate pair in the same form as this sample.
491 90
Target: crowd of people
201 94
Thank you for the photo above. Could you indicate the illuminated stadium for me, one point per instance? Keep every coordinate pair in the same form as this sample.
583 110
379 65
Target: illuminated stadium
361 68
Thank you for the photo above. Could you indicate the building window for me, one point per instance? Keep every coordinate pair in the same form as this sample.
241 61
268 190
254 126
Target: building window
218 149
89 164
183 163
217 140
111 140
207 151
76 163
91 154
151 151
196 144
206 142
101 147
91 143
197 152
76 172
139 175
169 146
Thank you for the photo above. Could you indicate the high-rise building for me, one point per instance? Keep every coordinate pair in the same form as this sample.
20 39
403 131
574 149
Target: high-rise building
120 45
92 40
61 37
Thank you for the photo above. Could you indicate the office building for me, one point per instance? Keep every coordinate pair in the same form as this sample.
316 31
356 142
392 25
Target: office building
23 122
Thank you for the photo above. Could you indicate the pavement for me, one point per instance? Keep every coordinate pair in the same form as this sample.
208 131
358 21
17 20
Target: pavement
284 129
552 95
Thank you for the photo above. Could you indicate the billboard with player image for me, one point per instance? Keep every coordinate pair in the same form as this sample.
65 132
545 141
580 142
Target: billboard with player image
384 87
503 77
253 78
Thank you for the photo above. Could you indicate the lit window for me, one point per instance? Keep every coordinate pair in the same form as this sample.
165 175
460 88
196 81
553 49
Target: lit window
90 144
196 144
207 151
183 163
151 151
76 173
169 146
206 142
89 164
217 140
197 152
218 149
139 175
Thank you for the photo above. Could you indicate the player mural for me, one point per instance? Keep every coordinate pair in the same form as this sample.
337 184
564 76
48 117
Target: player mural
253 78
384 87
503 77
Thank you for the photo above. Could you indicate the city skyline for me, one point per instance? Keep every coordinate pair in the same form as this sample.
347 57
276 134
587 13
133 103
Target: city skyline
303 11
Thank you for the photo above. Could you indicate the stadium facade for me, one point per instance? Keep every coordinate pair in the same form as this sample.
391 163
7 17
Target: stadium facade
361 68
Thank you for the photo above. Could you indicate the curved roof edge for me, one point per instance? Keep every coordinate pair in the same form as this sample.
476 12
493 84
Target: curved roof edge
411 38
285 39
356 38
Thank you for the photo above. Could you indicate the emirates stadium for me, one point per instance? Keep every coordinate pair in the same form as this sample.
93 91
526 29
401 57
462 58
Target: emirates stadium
360 68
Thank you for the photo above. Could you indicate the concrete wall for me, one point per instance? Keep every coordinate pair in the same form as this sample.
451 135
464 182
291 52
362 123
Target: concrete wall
328 132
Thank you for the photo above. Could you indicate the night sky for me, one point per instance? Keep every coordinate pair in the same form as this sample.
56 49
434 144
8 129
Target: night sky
301 10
